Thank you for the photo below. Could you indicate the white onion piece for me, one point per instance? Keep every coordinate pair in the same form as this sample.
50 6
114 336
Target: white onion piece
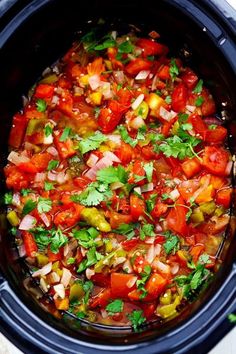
89 273
228 168
91 174
154 82
162 267
177 180
83 251
157 249
94 81
53 277
55 99
45 219
174 194
43 285
102 163
92 160
119 260
174 268
105 88
166 115
127 267
27 223
16 199
40 177
21 250
119 76
137 122
115 138
158 228
52 150
17 158
138 101
132 281
138 190
191 108
66 250
66 277
202 188
59 290
114 34
150 254
62 177
104 313
48 140
149 240
142 75
111 156
147 187
43 271
52 176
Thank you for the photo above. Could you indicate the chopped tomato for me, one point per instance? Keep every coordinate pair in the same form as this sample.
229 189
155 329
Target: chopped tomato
16 179
223 197
150 47
53 257
125 153
138 174
110 117
30 245
41 160
17 133
96 67
68 217
187 188
119 284
27 167
179 98
196 252
44 91
128 245
65 148
117 219
215 160
101 299
189 78
159 209
164 72
191 167
139 264
176 219
137 207
137 65
216 135
155 285
208 107
101 279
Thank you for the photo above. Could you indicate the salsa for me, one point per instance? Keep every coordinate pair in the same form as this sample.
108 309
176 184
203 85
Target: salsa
119 181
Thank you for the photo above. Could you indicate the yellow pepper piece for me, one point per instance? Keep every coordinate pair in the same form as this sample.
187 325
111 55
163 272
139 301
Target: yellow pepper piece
62 304
108 246
197 216
142 110
42 260
76 292
108 64
13 218
96 98
208 207
155 102
95 218
169 310
50 79
83 80
55 266
166 298
206 195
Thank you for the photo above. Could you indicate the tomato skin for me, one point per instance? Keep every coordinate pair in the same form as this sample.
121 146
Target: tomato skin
110 117
101 279
189 78
128 245
119 288
68 217
149 310
176 219
101 299
16 179
137 207
17 133
139 264
65 148
30 245
196 252
81 182
117 219
215 160
53 257
223 197
208 107
137 170
137 65
216 135
150 47
159 209
44 91
179 97
125 153
41 160
164 72
148 153
187 188
191 167
27 167
198 124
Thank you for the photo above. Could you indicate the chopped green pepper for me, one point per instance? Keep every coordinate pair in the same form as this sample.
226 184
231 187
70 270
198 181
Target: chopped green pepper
95 218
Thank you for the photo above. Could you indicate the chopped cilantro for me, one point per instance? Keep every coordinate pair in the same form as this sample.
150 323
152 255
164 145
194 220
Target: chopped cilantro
138 178
41 105
137 319
29 206
165 196
198 87
47 130
92 256
125 136
44 205
25 192
65 134
57 240
96 111
81 314
127 230
151 202
147 230
119 86
151 57
125 47
212 126
86 237
115 306
199 101
148 168
141 133
88 287
44 237
112 174
70 260
94 194
186 126
172 243
141 282
174 70
48 186
182 117
52 165
108 43
92 142
8 198
168 99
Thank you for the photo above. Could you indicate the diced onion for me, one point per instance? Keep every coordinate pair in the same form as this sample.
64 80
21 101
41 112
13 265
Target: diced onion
138 190
17 158
142 75
16 199
92 160
119 260
94 81
66 277
174 268
43 271
43 285
150 254
127 267
45 219
48 140
137 122
157 249
52 176
111 156
89 273
53 277
174 194
228 168
60 291
119 76
105 88
191 108
52 150
62 177
115 138
21 250
162 267
104 313
131 282
27 223
166 115
158 228
147 187
138 101
40 177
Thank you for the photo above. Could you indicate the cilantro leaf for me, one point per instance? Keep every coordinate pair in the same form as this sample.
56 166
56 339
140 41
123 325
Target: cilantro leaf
92 142
86 237
115 306
57 240
48 186
212 126
41 237
44 237
125 47
47 130
137 319
92 257
112 174
41 105
174 70
198 87
125 136
151 202
65 134
199 101
44 205
145 275
171 244
126 229
148 168
168 99
94 194
52 165
8 198
108 43
147 230
88 287
70 260
25 192
29 206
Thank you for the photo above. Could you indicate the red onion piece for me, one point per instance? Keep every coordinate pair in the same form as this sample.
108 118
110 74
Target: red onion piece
27 223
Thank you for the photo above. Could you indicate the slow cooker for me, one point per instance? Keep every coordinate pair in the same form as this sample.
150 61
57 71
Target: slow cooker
34 34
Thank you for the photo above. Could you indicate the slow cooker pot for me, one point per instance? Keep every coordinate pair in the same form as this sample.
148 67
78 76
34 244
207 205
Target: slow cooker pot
33 35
